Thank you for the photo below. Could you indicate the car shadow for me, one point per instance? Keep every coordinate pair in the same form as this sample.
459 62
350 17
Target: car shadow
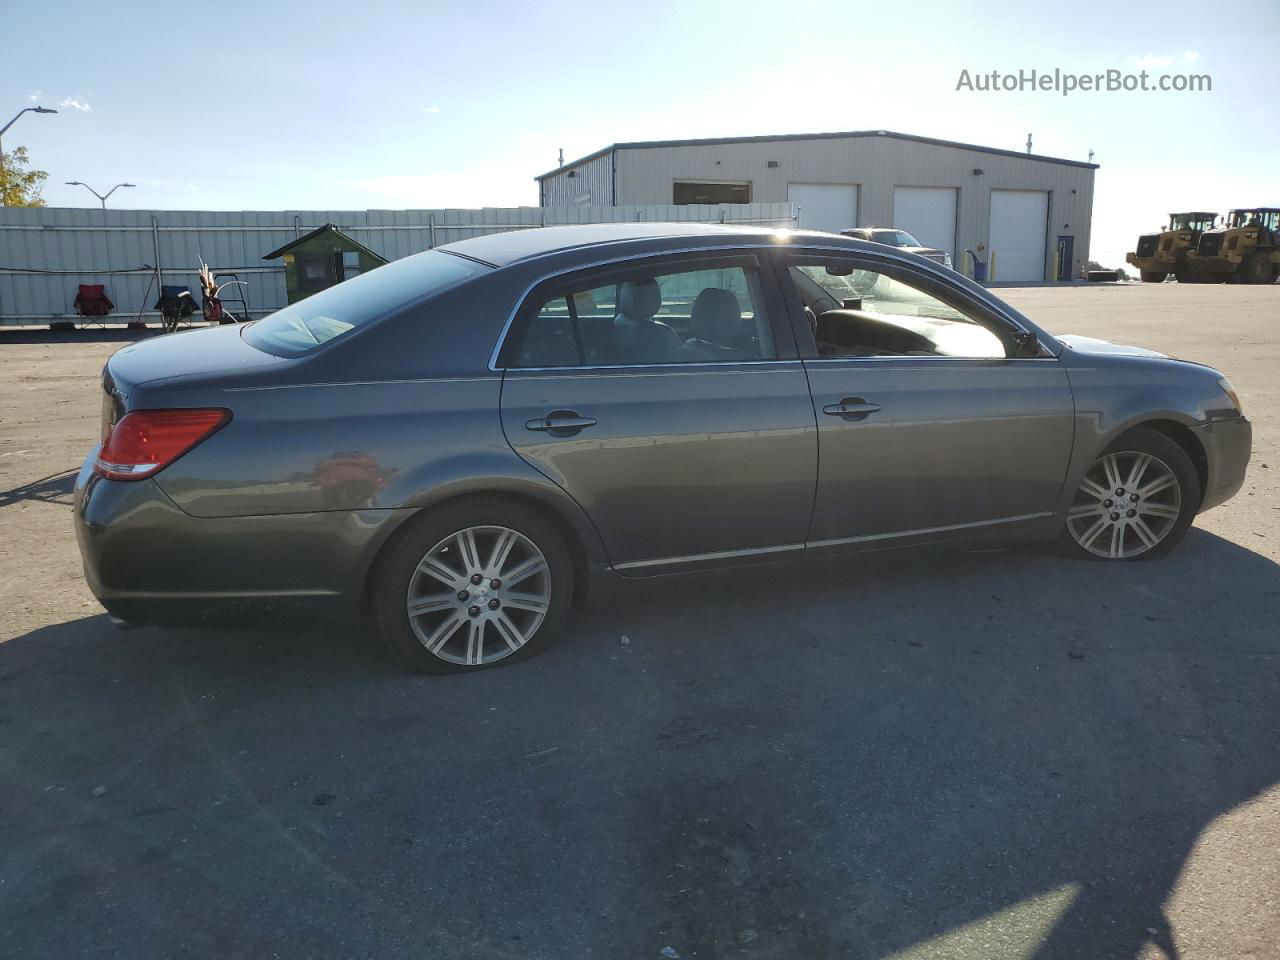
55 488
89 334
94 334
857 758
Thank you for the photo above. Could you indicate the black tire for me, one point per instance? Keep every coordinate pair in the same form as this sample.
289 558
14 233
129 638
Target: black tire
396 569
1152 276
1156 444
1257 269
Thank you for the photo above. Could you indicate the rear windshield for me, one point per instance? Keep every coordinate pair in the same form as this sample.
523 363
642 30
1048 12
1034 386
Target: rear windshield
327 315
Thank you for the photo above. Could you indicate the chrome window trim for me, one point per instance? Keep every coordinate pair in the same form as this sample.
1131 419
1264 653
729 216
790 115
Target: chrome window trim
930 358
656 369
752 247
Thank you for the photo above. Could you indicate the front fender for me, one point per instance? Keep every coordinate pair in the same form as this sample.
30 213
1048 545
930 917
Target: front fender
1115 393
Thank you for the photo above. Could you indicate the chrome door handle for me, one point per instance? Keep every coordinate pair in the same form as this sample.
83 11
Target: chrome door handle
557 421
851 408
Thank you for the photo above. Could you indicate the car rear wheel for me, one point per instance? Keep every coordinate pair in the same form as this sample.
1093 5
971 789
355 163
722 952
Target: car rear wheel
1135 502
1153 276
471 586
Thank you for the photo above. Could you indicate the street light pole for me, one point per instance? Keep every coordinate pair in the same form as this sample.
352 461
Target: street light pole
5 129
100 196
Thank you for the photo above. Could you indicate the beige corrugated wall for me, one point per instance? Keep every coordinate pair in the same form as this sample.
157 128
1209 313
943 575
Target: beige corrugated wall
876 165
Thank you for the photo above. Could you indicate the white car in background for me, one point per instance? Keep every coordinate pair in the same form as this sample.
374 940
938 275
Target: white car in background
893 237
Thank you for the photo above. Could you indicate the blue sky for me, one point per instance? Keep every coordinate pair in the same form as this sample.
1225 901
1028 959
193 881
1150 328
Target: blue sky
341 105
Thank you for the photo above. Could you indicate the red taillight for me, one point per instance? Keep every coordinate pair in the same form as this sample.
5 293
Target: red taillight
146 441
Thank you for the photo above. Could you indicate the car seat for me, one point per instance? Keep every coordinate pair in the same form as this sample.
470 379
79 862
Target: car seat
640 338
719 334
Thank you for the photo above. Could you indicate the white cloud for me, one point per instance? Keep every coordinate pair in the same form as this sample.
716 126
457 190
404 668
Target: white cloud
1190 56
35 95
75 103
431 109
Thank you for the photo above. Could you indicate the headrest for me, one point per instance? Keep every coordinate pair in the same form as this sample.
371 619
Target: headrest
640 299
717 317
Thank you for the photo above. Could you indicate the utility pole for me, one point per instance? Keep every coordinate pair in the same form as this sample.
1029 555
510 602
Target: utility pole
1028 143
5 129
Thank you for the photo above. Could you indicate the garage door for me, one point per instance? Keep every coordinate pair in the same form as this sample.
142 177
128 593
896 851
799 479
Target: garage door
928 214
825 206
1019 222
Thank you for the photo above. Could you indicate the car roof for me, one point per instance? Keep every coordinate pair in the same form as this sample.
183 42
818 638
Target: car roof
502 249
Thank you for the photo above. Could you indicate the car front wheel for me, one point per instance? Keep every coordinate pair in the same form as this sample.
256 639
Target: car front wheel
1135 502
472 585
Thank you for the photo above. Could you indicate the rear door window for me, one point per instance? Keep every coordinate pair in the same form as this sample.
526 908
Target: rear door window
715 314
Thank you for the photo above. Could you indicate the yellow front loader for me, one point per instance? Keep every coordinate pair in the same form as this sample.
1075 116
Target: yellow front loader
1160 254
1246 249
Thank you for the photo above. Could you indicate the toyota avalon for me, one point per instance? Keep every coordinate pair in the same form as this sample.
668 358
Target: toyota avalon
460 444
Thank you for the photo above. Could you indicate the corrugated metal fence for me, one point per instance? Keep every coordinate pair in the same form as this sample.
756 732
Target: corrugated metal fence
45 253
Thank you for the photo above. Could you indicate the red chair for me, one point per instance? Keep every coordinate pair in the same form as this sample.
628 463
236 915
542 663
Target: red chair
93 303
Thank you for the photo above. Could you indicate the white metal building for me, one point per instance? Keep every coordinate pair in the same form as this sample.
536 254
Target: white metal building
1032 212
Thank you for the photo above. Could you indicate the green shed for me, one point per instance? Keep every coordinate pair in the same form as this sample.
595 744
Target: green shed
320 259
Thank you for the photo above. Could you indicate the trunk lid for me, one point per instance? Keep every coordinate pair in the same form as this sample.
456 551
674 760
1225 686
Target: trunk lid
213 351
216 356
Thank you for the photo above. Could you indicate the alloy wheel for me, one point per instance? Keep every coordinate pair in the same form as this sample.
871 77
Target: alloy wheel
1127 503
479 595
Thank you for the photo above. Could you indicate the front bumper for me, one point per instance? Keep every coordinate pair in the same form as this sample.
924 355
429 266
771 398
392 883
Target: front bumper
148 562
1227 445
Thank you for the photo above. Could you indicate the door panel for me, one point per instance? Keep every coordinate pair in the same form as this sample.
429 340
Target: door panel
680 462
953 442
926 422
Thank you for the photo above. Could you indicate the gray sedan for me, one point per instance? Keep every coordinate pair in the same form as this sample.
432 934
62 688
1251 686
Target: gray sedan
462 444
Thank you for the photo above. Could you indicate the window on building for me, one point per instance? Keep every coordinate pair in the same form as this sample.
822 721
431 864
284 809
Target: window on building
699 191
350 264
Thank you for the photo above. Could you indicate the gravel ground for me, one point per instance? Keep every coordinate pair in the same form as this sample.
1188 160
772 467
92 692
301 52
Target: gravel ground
983 755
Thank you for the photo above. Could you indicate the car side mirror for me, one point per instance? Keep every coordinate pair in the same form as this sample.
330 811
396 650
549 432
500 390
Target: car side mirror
1025 345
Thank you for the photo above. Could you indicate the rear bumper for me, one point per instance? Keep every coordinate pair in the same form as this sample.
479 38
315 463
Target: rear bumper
1227 445
148 562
